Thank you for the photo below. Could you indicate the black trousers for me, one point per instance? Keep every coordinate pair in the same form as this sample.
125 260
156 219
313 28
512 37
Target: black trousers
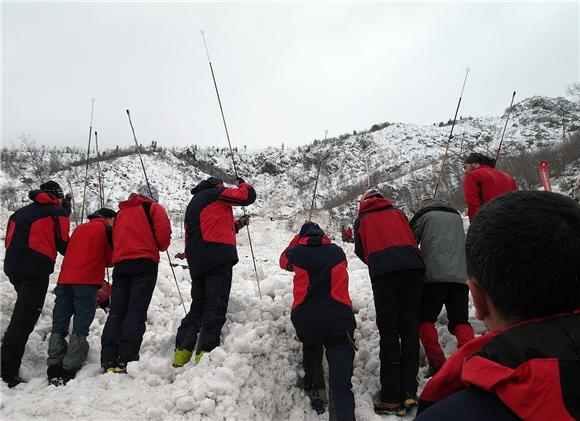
133 285
397 298
31 293
454 296
340 357
210 294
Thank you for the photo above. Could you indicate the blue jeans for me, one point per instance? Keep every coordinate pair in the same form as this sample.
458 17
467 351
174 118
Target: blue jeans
74 300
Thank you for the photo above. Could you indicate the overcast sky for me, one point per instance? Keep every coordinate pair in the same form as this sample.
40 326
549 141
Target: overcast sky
285 71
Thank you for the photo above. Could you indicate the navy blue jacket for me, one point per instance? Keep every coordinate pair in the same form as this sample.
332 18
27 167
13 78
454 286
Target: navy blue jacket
322 309
209 225
33 236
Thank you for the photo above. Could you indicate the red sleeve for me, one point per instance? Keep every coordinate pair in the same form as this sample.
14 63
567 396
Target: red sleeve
162 226
471 191
243 195
63 223
9 233
284 263
237 226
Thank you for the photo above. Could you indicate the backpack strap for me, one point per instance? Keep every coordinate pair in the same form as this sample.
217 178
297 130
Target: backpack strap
109 234
147 209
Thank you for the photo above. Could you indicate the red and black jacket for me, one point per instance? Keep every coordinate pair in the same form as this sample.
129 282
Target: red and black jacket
484 184
141 230
34 235
209 226
383 239
88 253
532 367
322 308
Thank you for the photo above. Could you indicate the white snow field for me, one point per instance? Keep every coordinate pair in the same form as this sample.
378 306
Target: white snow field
251 376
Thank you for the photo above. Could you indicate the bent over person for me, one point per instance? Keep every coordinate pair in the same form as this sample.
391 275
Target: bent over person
210 247
384 241
438 229
524 276
141 230
322 316
34 235
81 275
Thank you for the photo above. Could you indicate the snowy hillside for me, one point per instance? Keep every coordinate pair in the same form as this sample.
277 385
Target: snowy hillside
253 375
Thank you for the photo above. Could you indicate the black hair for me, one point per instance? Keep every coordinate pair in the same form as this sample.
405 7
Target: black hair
523 248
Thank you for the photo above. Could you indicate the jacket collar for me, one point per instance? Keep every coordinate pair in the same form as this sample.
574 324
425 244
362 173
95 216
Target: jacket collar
43 198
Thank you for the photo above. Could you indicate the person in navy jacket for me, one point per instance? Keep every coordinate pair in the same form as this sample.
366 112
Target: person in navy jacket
482 182
34 235
385 242
210 248
141 230
524 276
81 275
322 316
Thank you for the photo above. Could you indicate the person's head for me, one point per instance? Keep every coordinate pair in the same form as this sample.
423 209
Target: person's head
149 191
370 193
108 214
523 257
310 229
475 160
52 188
209 183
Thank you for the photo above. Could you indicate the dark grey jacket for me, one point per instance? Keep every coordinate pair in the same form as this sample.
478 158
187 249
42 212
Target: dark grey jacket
438 229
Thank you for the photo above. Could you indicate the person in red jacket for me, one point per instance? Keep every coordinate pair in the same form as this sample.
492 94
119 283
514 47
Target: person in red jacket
483 182
524 276
385 242
81 275
141 230
322 316
210 247
34 235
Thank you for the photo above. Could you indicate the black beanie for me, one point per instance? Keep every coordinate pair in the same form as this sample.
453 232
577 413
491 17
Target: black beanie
479 158
103 213
53 188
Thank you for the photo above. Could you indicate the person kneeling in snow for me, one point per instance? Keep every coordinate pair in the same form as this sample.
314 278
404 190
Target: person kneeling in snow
210 247
322 316
81 275
524 277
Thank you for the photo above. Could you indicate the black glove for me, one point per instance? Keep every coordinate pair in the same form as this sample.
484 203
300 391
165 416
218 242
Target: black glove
65 203
244 220
240 180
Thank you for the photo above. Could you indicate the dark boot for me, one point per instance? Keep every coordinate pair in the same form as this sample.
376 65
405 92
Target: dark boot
12 381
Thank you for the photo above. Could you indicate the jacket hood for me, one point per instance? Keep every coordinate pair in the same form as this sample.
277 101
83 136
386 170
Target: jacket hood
310 229
43 198
436 203
209 183
373 204
134 200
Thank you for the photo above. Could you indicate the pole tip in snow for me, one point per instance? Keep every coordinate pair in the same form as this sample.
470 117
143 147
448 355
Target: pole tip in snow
127 112
514 94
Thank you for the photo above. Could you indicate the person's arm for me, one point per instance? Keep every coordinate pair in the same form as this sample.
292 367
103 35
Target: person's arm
358 246
162 226
243 195
284 262
62 226
241 222
418 226
472 191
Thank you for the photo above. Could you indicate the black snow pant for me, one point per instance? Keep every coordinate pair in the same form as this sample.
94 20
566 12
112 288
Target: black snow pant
210 293
453 295
340 357
133 286
31 293
397 297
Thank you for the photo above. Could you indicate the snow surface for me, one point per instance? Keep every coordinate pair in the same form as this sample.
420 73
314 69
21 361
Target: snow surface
251 376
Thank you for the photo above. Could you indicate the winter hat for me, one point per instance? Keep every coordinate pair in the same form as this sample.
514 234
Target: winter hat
371 193
210 183
53 188
309 229
479 158
145 192
103 213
